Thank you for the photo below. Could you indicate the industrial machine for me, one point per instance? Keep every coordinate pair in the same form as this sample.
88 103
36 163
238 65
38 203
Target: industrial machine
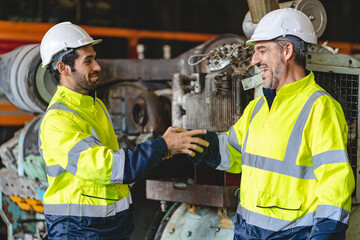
205 87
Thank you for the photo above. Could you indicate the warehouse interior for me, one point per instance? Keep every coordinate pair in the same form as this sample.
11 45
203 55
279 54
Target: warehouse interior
153 53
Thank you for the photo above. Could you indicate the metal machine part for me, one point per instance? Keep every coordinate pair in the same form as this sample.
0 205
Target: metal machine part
339 75
211 95
17 80
215 100
138 108
186 221
311 8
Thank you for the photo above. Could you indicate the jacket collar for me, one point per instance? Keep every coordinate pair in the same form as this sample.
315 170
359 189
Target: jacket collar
75 98
298 86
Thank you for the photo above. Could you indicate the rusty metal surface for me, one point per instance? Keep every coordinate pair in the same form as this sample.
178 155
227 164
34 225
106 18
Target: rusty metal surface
135 70
136 109
205 195
11 184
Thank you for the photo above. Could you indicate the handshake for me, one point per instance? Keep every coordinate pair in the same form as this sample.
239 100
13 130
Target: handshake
179 140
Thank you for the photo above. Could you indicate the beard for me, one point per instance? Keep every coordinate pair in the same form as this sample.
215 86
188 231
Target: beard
275 76
84 81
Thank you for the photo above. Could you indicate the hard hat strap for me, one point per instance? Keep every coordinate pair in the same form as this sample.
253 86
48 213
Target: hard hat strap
297 42
58 57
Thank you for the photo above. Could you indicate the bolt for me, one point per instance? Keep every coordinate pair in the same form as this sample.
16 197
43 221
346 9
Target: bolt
163 206
189 234
311 17
172 230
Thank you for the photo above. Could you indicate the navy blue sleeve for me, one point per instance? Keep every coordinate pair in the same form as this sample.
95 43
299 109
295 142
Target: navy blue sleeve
210 157
325 228
140 160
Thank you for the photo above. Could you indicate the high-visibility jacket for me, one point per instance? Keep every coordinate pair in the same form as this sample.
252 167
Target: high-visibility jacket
87 172
293 160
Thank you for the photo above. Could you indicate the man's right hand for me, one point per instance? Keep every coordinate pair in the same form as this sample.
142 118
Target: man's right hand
179 140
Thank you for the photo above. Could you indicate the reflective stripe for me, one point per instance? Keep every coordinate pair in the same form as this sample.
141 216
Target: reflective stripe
333 156
54 170
83 210
295 138
288 166
257 108
333 212
74 153
224 139
117 175
274 224
233 141
84 144
107 115
61 106
224 152
94 133
278 166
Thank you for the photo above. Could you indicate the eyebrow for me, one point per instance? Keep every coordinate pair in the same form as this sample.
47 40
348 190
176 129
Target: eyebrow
260 47
91 56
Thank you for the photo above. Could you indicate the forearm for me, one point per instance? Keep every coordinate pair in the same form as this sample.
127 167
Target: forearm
210 157
140 160
325 228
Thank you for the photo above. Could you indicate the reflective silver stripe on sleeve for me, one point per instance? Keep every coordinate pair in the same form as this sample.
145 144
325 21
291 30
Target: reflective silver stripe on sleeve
54 170
274 224
224 139
333 212
117 174
233 140
83 210
224 152
74 153
333 156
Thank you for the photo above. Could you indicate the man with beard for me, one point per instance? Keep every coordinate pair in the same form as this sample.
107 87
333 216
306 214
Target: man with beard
289 145
88 195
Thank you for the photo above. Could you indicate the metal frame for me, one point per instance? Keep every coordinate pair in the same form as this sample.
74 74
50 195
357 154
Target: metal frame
340 64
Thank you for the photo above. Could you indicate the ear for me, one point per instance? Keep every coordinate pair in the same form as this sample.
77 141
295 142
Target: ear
63 68
288 51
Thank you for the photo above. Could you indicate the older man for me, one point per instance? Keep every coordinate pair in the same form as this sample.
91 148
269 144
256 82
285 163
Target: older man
289 144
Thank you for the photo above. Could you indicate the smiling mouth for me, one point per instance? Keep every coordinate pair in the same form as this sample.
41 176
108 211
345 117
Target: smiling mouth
264 69
94 75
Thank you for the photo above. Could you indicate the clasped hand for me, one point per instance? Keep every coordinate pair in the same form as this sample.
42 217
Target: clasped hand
179 140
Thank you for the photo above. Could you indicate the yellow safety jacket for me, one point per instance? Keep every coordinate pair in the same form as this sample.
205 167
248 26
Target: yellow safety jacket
292 158
86 170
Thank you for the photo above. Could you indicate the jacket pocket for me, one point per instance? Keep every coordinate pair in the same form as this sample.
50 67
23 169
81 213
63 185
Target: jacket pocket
99 194
271 200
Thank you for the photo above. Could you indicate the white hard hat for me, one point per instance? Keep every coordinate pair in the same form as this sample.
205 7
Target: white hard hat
283 22
61 37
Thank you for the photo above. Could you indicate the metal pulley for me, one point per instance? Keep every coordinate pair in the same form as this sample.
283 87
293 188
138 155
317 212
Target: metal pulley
21 81
311 8
314 10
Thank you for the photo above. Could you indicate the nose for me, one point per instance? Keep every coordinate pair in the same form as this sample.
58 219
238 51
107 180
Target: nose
96 66
255 58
